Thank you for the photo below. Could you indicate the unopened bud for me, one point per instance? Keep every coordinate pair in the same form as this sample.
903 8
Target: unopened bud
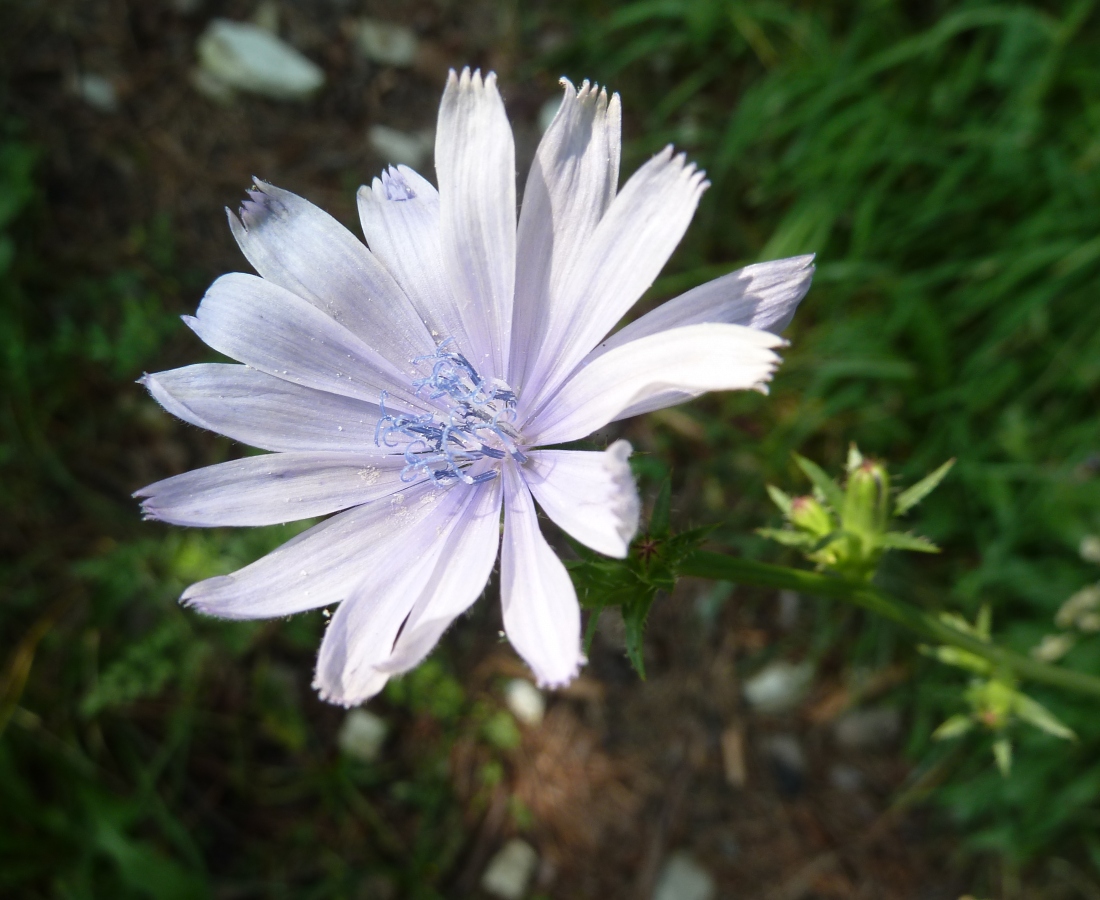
867 498
809 515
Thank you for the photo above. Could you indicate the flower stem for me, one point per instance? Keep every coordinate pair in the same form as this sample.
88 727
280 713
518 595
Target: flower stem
720 567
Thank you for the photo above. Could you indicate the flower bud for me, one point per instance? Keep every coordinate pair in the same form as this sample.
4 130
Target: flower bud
809 515
867 499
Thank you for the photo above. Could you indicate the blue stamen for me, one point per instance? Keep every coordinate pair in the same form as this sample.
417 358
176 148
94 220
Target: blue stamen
478 423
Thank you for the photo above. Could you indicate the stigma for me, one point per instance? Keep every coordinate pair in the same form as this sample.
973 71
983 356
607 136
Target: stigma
476 422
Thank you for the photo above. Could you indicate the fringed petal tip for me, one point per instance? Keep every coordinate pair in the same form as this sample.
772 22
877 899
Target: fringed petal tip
588 91
471 78
197 597
261 203
338 699
556 683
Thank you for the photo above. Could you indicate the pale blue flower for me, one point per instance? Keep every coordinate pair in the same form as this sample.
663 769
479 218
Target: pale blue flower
407 387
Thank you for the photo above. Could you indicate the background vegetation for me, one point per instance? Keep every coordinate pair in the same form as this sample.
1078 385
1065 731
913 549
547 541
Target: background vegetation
943 160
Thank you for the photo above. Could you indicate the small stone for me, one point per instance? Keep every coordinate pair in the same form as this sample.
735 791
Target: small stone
98 92
510 870
399 147
387 43
362 735
682 878
245 57
525 701
779 687
866 729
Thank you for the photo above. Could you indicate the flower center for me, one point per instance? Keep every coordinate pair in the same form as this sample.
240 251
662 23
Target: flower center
477 424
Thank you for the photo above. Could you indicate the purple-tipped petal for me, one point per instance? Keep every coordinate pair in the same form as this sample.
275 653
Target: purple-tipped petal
542 617
572 181
682 362
297 246
764 296
263 411
591 496
273 488
400 217
476 163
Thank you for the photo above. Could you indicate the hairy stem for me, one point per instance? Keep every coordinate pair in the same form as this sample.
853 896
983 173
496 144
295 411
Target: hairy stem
720 567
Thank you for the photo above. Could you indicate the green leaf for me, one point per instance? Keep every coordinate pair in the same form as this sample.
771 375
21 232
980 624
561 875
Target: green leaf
956 726
634 617
1034 713
590 628
910 497
787 537
659 521
780 499
897 540
834 496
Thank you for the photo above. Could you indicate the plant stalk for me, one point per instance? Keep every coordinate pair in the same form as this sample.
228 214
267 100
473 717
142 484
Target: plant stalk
720 567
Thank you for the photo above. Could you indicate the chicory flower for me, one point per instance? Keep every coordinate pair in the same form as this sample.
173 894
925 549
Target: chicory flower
410 387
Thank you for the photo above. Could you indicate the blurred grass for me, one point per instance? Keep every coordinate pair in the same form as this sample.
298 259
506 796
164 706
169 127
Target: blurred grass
944 162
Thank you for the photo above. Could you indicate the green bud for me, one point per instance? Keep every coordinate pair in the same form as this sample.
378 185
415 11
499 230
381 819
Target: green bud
809 515
867 500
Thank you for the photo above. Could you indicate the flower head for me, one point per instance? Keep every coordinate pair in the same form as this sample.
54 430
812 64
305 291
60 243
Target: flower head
408 387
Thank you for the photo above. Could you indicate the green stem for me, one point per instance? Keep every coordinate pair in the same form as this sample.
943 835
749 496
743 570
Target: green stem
720 567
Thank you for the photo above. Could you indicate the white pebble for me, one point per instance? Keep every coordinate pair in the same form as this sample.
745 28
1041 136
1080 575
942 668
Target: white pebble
387 43
525 701
682 878
98 92
779 686
510 870
245 57
362 735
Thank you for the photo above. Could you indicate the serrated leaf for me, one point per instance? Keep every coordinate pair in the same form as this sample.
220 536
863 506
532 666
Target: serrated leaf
634 618
899 540
780 499
1034 713
590 628
911 496
662 506
829 488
